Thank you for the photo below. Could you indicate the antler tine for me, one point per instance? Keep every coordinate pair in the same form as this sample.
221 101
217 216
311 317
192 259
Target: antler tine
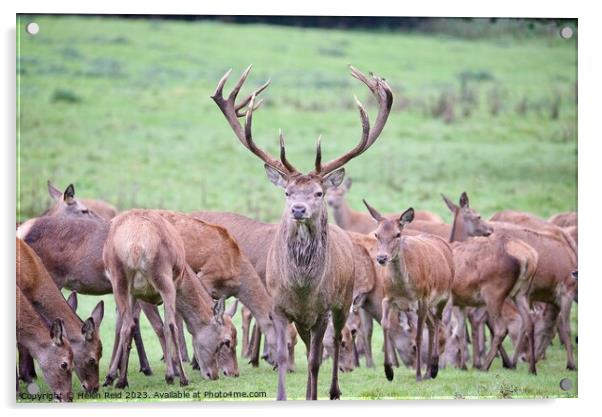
233 111
382 92
318 163
283 159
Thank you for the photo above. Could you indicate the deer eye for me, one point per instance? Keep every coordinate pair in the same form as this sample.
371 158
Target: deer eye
319 194
398 235
376 235
64 365
286 193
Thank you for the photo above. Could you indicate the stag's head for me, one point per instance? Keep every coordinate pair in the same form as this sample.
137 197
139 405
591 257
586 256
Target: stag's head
304 193
388 234
467 220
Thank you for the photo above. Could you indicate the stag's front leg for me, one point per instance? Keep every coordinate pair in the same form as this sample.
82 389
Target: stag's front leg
338 321
315 354
280 328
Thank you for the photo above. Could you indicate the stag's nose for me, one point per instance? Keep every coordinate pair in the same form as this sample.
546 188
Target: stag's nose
298 211
382 259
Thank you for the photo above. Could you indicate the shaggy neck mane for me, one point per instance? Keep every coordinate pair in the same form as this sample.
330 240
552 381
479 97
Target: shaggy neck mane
306 247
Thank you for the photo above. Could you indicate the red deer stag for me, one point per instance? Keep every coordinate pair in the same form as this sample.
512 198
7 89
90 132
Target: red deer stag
358 221
49 346
35 283
145 259
309 269
420 271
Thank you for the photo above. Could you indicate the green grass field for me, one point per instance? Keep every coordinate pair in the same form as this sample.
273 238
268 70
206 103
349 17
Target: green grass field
121 109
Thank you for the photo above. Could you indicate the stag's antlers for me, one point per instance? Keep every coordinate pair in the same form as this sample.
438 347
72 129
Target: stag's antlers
232 111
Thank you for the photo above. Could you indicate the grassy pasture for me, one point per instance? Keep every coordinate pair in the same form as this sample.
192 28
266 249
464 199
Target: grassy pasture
122 110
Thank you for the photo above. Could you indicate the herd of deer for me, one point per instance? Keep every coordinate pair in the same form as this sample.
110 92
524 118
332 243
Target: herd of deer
417 276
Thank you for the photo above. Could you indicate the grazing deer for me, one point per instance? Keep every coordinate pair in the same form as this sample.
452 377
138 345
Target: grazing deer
145 258
48 344
309 268
357 221
346 354
553 282
420 271
35 283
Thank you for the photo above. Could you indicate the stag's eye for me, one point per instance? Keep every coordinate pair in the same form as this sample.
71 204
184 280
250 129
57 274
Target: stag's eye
64 365
319 194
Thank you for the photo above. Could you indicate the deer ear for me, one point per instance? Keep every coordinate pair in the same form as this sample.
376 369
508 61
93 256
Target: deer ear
406 217
54 192
347 183
450 205
69 193
375 214
334 179
98 313
218 310
57 332
358 302
279 179
88 329
72 301
464 200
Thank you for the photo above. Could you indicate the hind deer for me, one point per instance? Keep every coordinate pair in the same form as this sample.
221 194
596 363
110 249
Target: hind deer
35 283
145 259
48 344
309 269
420 271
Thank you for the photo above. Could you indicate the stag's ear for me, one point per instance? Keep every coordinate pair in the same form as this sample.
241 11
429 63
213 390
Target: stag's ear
358 302
406 217
98 313
57 332
464 200
375 214
54 192
69 194
72 301
450 205
334 179
279 179
232 309
347 183
218 310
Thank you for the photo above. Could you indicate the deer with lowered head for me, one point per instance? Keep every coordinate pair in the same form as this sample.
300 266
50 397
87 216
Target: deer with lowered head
309 268
358 221
47 342
420 272
553 282
145 259
35 283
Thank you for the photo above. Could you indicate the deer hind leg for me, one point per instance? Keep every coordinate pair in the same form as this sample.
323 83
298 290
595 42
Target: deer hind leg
367 329
315 354
151 312
338 321
476 322
430 325
527 333
386 325
434 361
422 311
125 341
145 367
280 328
170 328
499 330
564 329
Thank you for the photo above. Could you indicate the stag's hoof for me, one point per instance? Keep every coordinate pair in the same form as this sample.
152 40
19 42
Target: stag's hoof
169 379
121 384
389 372
571 367
108 381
